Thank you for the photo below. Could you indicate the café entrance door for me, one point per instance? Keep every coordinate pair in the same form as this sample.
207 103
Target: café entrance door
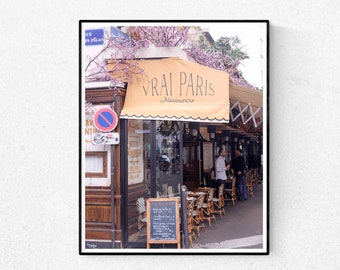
192 164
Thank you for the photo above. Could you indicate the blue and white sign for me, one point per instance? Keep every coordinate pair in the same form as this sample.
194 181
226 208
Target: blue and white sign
115 32
94 37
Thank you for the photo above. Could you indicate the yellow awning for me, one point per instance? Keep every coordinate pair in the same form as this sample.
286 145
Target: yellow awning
176 89
245 96
249 105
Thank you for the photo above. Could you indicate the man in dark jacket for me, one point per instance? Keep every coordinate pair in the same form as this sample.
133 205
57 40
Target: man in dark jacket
239 167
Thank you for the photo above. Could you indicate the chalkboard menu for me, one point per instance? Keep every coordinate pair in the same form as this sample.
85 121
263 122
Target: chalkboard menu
162 221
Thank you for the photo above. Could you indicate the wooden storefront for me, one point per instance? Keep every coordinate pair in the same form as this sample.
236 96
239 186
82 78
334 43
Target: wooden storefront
111 216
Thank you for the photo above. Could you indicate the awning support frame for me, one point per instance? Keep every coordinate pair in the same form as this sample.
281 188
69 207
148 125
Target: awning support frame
242 112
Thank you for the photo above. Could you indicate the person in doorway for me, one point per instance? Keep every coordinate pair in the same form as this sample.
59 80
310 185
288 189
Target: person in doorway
238 165
212 177
220 169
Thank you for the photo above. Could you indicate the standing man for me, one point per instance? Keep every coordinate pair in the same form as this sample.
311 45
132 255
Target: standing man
221 168
238 165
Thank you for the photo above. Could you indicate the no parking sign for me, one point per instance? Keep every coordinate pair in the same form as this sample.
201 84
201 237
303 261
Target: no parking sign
105 119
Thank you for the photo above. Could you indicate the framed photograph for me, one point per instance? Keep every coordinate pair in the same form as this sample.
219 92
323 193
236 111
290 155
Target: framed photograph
191 102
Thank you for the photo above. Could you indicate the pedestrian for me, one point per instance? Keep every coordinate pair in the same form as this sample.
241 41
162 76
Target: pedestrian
220 169
238 165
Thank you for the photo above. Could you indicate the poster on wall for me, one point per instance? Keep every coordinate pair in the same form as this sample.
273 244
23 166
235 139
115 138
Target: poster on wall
135 152
208 158
97 156
90 130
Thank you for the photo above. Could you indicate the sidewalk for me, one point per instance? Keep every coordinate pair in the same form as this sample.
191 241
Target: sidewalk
241 227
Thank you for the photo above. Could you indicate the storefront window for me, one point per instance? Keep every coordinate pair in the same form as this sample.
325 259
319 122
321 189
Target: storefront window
96 164
138 152
167 159
228 154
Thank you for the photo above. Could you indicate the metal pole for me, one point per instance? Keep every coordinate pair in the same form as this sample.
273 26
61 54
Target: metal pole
112 199
184 217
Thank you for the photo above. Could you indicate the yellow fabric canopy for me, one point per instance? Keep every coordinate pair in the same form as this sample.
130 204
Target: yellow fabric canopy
176 89
245 96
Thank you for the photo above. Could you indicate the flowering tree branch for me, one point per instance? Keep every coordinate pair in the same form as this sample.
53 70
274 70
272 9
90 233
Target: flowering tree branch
226 54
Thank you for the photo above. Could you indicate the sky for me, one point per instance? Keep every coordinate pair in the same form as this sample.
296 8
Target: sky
250 34
254 69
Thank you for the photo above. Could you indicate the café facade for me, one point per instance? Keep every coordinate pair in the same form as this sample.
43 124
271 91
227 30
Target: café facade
172 119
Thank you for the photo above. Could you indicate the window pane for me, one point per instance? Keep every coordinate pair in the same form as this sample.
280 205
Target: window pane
94 164
167 159
139 175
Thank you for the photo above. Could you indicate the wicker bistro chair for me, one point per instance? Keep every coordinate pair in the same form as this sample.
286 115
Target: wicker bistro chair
219 201
230 193
250 185
141 209
256 177
208 206
191 222
198 215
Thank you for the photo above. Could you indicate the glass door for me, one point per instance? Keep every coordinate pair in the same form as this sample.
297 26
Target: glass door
137 179
152 170
167 169
191 165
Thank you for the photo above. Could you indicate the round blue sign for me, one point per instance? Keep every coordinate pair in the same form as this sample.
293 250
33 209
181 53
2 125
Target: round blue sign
105 119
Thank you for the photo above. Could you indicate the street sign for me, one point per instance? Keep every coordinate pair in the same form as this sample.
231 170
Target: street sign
105 138
115 32
105 119
94 37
